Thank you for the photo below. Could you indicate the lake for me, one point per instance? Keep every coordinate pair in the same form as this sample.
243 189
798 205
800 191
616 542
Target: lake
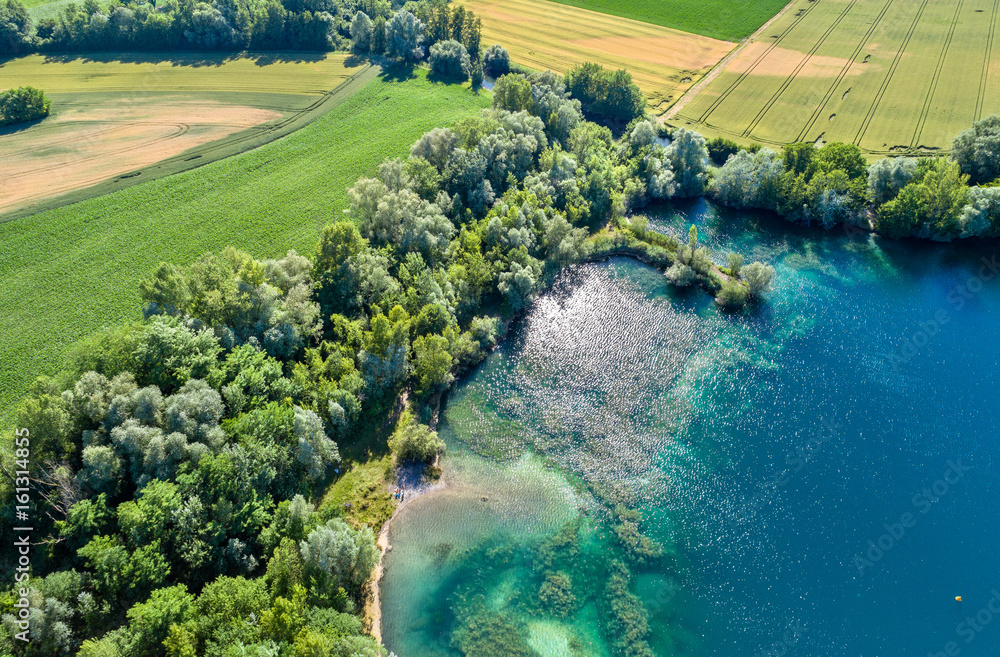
818 472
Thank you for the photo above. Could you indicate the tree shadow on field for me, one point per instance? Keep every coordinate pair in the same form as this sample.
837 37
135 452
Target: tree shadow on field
398 71
354 59
193 59
19 127
286 57
437 78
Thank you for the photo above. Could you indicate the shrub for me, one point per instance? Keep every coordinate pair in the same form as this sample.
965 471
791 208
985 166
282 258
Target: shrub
733 294
476 77
758 277
450 59
496 61
680 274
719 149
611 94
23 104
412 441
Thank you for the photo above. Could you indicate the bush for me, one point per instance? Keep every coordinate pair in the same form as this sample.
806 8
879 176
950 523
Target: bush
611 94
477 77
720 149
450 59
496 61
758 277
733 294
412 441
23 104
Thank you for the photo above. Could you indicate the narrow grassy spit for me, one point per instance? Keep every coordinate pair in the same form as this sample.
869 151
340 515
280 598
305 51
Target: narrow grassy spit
890 77
546 35
729 20
266 201
114 117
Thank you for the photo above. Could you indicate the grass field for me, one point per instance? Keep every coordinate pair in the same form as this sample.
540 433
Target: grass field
546 35
67 272
117 116
729 20
892 76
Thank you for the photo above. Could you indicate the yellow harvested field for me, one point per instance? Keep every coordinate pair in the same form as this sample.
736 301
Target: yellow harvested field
546 35
85 145
308 74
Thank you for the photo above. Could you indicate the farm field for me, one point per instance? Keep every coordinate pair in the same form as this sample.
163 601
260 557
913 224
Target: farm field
265 201
547 35
892 76
729 20
121 115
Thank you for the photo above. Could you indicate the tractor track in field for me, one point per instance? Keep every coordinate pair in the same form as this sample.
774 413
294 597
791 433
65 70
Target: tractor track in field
798 69
863 128
725 61
980 99
926 109
843 73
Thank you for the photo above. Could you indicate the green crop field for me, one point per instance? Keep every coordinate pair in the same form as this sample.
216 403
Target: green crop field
728 20
892 76
67 272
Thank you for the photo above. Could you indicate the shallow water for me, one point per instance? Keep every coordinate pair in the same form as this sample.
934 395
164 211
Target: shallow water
793 461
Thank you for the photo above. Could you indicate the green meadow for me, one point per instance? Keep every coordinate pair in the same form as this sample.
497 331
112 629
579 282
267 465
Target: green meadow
67 272
729 20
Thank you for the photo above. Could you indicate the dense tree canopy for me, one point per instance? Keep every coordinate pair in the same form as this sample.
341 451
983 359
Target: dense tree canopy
608 94
977 150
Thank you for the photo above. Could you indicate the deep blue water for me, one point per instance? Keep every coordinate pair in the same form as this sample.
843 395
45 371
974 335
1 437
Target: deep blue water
824 463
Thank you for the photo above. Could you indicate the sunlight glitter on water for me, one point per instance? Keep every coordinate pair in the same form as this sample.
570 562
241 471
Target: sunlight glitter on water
765 451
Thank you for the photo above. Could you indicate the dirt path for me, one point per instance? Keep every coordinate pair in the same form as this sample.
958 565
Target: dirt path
721 66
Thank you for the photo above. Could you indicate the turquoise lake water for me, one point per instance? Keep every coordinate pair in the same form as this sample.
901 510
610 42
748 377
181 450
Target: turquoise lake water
819 471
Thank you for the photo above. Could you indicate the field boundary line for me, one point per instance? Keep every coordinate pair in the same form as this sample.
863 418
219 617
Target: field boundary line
193 158
696 88
981 98
843 73
863 128
918 131
798 69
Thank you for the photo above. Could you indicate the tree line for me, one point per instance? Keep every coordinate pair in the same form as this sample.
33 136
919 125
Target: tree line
236 25
939 198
